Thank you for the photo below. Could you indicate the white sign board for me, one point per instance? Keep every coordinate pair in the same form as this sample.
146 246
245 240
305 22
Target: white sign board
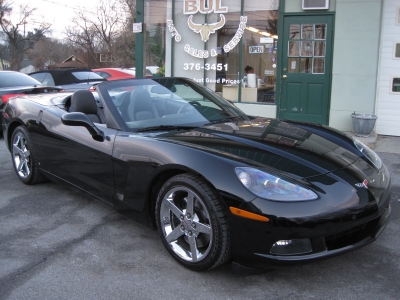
137 27
266 40
256 49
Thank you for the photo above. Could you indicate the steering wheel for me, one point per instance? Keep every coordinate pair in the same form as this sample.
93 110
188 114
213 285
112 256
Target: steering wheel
187 105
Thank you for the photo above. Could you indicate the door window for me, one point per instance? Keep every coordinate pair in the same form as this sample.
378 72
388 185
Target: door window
306 48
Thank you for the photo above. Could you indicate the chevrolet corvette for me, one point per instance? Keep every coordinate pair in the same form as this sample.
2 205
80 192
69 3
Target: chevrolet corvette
218 185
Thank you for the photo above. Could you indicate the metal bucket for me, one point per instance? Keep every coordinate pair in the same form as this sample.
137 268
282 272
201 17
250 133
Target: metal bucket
363 124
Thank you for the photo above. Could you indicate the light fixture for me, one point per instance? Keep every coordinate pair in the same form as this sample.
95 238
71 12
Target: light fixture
252 29
291 247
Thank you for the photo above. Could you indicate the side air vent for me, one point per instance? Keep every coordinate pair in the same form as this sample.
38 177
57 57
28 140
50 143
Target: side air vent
315 4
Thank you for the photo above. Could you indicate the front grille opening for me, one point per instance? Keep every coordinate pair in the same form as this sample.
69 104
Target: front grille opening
350 236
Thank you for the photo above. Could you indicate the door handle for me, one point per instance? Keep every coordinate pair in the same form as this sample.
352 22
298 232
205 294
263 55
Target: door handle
284 76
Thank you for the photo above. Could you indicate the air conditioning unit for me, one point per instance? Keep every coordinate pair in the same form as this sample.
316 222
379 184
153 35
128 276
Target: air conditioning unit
315 4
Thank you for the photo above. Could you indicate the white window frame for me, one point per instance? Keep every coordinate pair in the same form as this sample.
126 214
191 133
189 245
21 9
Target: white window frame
397 18
394 50
391 85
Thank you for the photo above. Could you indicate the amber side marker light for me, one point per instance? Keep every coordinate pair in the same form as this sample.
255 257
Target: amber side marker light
248 215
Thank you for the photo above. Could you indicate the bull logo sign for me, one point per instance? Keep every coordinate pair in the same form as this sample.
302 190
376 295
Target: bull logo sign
191 7
206 29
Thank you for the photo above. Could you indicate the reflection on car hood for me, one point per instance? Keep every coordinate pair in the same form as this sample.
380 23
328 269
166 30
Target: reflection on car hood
273 143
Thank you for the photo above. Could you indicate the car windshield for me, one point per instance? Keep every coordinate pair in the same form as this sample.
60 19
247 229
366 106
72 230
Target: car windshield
165 103
12 79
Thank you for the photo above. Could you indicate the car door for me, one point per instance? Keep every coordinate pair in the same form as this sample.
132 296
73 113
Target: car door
71 154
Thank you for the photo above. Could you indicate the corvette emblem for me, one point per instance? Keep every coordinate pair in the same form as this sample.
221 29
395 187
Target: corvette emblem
363 184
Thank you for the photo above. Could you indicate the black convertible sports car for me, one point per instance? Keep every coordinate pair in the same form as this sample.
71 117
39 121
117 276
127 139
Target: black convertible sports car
217 184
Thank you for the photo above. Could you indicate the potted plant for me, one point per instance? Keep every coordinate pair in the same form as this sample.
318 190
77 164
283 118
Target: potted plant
363 124
160 72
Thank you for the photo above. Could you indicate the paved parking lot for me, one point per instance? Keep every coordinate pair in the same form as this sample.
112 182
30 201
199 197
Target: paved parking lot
58 244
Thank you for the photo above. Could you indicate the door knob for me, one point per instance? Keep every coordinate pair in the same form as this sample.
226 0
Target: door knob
284 76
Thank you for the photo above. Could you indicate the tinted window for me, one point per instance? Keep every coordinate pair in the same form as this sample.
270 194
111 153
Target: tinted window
103 74
10 79
86 75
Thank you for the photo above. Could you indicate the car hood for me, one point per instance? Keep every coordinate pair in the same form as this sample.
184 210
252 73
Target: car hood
303 150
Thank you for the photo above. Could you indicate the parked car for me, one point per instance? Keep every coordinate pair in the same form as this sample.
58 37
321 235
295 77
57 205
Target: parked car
68 79
152 69
149 73
13 83
115 73
218 185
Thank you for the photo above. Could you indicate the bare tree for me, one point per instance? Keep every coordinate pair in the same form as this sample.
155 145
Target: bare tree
19 40
4 53
98 32
49 51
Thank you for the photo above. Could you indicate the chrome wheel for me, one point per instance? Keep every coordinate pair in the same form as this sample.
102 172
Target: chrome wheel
21 156
186 224
23 159
192 224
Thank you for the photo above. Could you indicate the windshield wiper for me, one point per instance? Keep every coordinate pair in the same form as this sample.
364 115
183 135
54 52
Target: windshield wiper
165 127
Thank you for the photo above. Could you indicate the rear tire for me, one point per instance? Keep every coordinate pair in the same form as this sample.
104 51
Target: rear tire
23 159
192 224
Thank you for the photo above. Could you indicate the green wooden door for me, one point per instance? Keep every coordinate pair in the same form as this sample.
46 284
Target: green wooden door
306 68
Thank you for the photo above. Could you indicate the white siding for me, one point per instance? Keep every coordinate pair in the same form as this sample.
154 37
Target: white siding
388 105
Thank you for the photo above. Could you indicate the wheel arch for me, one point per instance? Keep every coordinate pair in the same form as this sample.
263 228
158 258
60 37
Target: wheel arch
10 130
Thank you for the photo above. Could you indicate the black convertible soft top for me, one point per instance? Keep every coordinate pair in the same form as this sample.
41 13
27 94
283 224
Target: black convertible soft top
70 76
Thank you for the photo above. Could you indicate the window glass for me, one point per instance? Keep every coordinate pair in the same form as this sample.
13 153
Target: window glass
9 79
48 79
156 12
309 46
395 85
307 31
86 75
147 103
397 50
260 50
39 76
306 65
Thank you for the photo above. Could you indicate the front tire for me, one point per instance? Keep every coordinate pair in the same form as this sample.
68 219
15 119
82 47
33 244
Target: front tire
24 162
192 224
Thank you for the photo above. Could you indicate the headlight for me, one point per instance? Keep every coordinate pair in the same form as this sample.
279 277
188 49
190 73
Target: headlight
268 186
368 153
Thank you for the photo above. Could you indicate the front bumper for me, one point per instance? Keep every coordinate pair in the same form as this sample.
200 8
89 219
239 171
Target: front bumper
328 239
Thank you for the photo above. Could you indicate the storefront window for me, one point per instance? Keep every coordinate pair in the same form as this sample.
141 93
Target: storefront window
155 26
260 50
204 43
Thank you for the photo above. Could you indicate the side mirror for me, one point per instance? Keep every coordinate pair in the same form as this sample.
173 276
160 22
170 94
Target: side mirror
80 119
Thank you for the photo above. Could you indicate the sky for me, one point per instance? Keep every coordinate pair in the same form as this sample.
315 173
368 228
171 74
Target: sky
57 12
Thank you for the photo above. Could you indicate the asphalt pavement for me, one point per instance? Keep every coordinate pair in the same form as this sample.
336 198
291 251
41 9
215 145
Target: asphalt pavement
56 243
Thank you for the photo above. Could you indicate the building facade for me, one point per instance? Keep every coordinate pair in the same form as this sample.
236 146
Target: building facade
311 60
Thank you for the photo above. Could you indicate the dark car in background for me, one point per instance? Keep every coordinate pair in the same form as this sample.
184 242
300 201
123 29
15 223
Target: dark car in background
13 83
68 79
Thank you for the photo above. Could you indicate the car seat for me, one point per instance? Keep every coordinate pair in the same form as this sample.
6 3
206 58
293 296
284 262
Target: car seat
83 101
141 107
